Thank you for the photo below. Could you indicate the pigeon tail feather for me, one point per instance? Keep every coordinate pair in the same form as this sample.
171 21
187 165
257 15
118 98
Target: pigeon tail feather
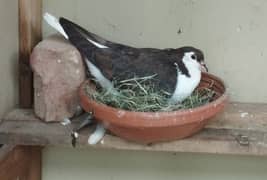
53 22
75 31
63 26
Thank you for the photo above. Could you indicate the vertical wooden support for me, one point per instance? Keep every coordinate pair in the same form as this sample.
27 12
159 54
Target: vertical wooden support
30 33
24 162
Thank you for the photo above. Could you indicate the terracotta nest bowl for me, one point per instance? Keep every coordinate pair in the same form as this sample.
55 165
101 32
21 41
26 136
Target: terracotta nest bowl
151 127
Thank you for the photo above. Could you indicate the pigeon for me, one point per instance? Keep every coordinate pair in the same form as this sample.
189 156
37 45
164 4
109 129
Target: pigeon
178 71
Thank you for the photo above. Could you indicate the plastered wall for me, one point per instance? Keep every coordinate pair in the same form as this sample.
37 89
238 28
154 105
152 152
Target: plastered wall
8 55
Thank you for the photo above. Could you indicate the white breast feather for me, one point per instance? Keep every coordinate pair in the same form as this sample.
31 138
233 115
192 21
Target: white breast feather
186 85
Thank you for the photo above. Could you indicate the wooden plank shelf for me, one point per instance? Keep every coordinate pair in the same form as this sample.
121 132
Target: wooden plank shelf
241 129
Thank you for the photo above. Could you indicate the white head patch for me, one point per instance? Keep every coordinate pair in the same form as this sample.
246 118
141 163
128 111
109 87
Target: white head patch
190 62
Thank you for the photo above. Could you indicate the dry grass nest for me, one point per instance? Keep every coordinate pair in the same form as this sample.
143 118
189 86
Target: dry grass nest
137 94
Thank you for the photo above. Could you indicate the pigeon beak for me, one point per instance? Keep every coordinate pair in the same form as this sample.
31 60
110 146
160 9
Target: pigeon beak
204 68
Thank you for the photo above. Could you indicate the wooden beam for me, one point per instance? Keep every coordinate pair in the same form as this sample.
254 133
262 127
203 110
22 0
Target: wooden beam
23 162
5 150
30 33
241 130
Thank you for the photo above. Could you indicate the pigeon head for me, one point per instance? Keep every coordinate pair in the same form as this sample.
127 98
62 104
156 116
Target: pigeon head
189 62
193 58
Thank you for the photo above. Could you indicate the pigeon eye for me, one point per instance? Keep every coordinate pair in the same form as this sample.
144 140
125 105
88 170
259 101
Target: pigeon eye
194 57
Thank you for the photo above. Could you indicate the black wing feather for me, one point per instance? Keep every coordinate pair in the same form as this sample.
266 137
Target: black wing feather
124 62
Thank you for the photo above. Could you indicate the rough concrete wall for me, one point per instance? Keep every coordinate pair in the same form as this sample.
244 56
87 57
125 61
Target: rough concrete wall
231 33
8 55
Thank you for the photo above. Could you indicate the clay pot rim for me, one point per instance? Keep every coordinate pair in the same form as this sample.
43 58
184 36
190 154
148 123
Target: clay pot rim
156 119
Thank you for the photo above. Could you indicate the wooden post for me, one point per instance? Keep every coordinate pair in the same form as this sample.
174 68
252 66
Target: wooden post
30 33
24 162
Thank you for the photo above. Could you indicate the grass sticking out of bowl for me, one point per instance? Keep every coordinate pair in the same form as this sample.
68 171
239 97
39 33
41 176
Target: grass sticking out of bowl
137 94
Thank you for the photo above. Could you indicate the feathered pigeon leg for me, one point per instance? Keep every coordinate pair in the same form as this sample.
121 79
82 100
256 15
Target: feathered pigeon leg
86 119
97 135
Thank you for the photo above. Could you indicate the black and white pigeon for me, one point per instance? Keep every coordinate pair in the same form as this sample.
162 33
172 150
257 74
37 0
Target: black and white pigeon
178 71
